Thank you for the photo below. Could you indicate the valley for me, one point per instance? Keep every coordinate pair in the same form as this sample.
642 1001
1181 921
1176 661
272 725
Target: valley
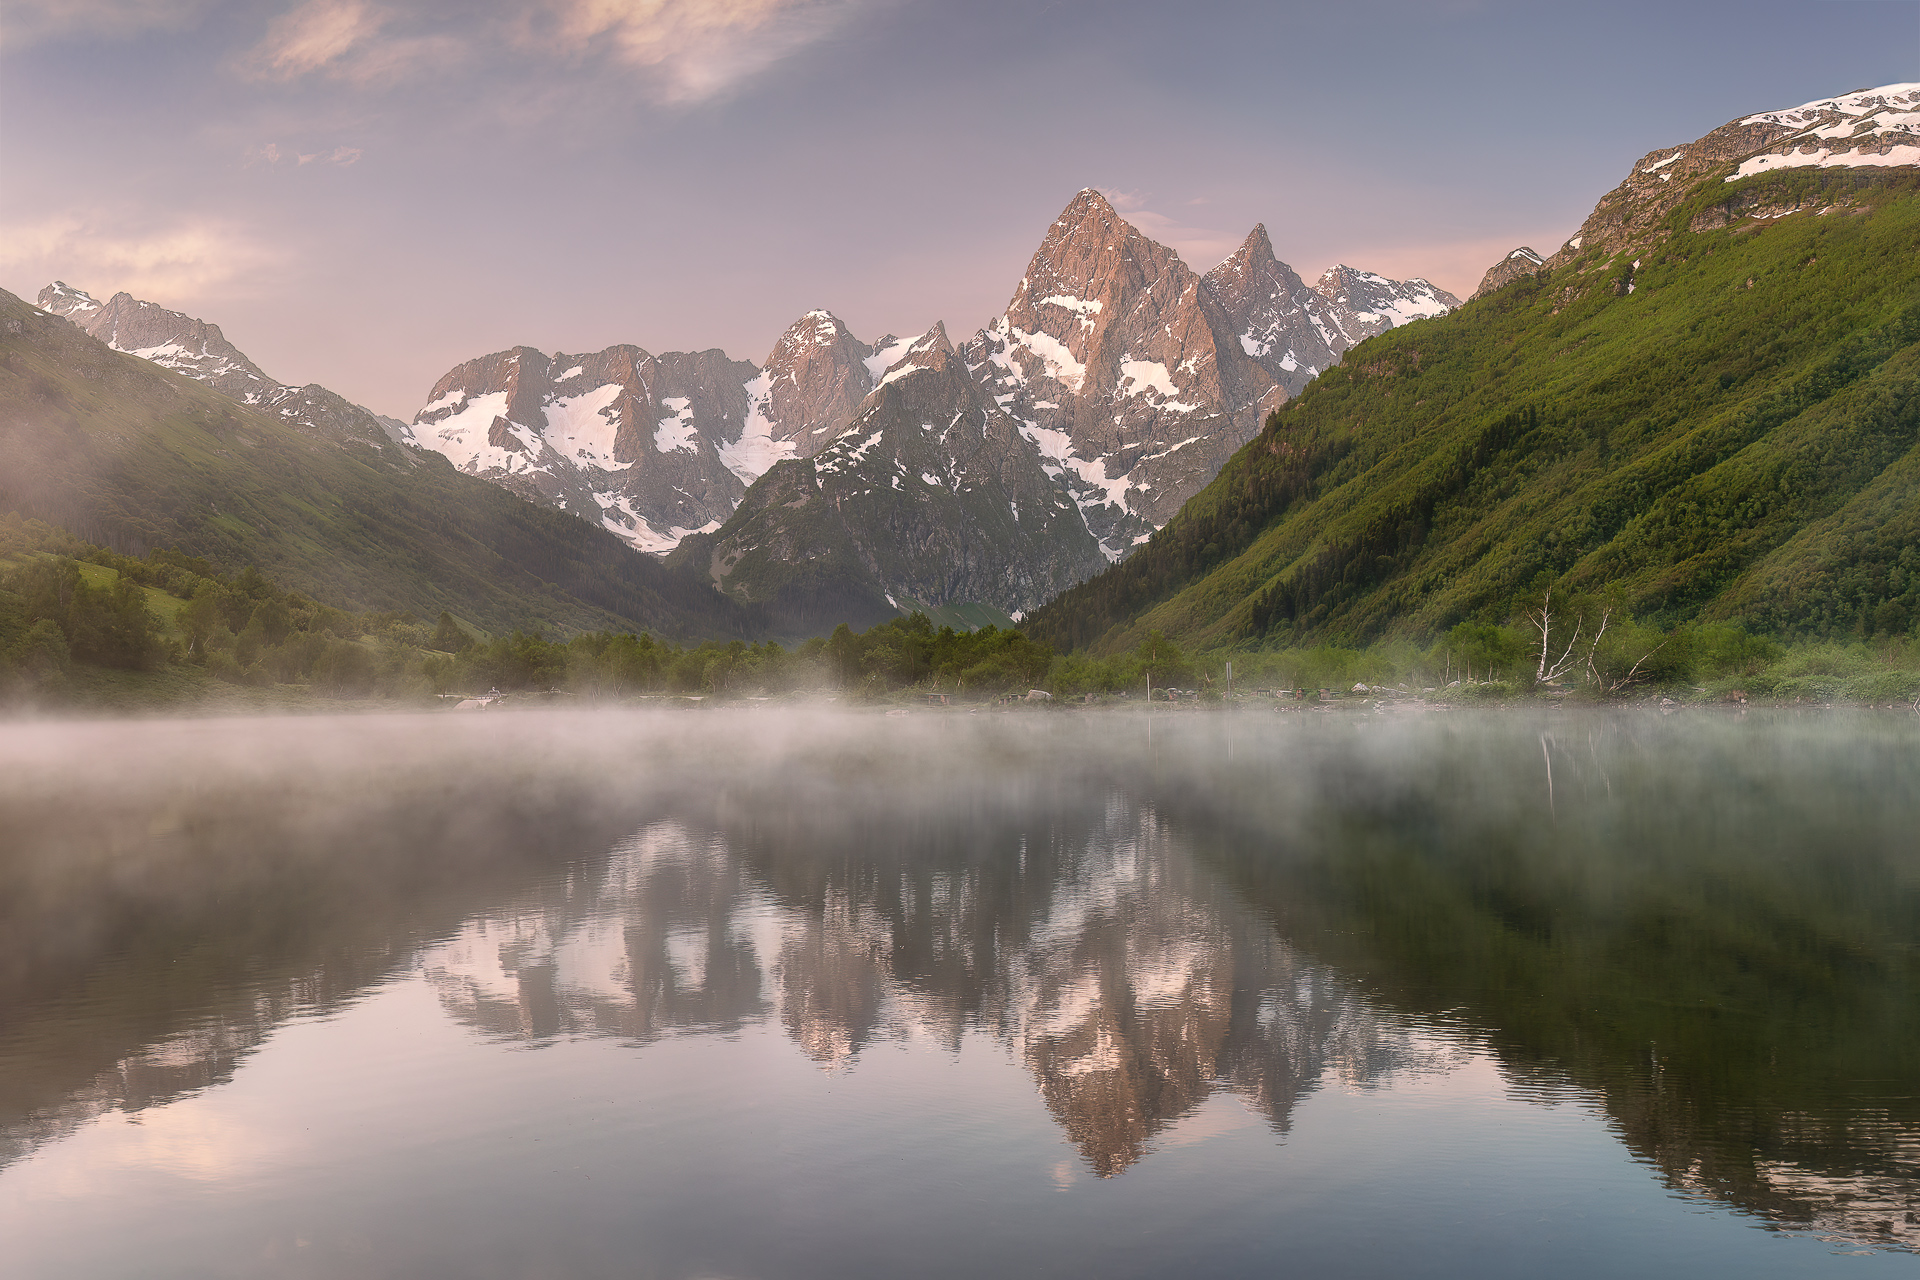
1697 413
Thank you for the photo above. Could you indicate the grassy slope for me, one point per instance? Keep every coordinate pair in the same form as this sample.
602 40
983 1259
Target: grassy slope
129 455
1733 438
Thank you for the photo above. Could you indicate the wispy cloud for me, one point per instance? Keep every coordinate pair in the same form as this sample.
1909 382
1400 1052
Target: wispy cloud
320 34
694 49
26 22
680 51
273 155
356 41
183 258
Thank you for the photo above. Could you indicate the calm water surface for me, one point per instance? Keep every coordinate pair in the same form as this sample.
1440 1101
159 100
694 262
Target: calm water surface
719 994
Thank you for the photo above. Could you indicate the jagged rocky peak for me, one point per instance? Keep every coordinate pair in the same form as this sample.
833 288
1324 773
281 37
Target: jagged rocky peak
1867 129
62 299
1521 262
1295 331
1112 353
1273 313
1121 324
894 357
1361 304
931 494
1253 273
1090 266
815 377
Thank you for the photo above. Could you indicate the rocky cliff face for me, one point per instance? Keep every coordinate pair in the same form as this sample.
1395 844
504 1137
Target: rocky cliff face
1274 314
201 352
1116 359
1521 262
1359 304
931 495
648 446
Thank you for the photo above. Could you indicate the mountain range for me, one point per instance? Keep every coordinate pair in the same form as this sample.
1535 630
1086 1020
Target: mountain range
1115 384
1704 405
1701 405
134 455
997 473
1112 355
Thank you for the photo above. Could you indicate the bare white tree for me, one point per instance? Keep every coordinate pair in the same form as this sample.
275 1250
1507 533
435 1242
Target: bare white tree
1542 621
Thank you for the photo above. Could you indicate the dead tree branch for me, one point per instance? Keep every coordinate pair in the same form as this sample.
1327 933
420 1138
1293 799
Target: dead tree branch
1633 671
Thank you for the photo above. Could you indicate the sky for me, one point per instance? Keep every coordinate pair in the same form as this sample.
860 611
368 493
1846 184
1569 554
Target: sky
364 193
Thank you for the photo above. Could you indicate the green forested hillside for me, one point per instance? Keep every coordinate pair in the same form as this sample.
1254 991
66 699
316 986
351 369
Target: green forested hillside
81 625
1720 425
128 455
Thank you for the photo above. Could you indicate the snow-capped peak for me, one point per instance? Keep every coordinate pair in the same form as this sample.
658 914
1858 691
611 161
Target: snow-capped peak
905 356
1885 105
1361 303
62 299
1871 128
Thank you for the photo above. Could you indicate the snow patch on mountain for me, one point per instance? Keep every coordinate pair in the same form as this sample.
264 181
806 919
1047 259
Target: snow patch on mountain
899 373
755 452
1137 377
582 428
1824 158
675 432
462 435
1087 309
888 352
1053 355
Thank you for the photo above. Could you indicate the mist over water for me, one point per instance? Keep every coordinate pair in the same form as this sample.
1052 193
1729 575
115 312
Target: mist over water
773 993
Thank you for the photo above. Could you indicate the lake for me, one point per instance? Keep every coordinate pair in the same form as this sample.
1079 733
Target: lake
738 993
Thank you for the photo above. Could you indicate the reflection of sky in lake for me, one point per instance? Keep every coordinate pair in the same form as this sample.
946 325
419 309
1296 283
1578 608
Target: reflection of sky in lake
1040 1036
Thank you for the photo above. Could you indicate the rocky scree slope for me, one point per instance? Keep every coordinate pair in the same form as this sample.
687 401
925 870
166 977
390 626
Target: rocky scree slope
1706 406
126 453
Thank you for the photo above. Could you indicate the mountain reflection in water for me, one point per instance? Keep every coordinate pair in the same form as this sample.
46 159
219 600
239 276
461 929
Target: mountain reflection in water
1708 928
1120 972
